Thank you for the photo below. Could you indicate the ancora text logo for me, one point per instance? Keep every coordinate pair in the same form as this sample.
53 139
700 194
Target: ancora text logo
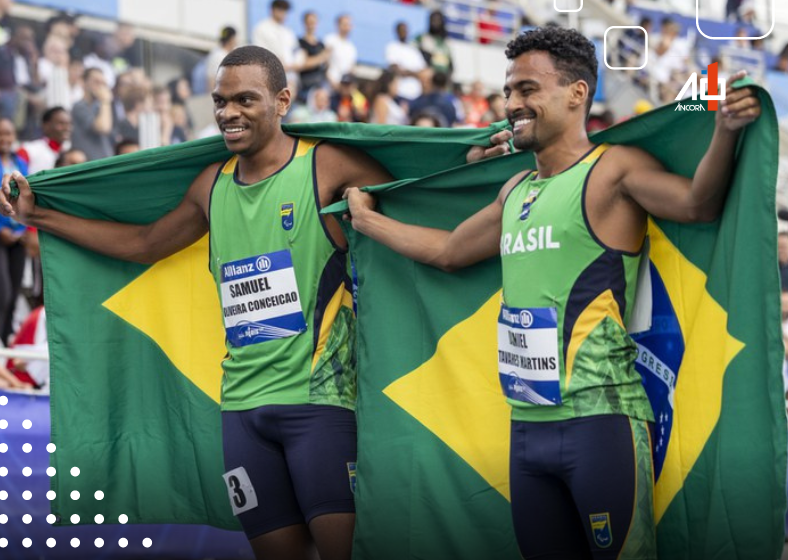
690 107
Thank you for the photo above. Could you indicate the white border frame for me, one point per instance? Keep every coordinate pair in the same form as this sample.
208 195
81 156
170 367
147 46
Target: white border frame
697 25
604 48
557 9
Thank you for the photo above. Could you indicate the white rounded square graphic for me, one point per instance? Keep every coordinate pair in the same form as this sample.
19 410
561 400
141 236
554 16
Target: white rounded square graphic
697 25
645 48
557 9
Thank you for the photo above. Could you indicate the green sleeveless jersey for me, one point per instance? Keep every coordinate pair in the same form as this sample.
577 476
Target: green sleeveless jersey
284 288
564 351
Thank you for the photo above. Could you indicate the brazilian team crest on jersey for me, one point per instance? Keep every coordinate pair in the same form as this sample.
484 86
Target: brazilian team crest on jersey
529 200
600 527
287 212
351 473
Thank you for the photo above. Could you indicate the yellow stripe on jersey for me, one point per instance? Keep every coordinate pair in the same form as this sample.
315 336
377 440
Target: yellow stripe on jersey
340 298
604 305
594 155
305 145
229 167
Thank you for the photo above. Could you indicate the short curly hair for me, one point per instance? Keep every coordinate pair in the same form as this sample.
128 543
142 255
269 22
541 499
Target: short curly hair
251 55
573 55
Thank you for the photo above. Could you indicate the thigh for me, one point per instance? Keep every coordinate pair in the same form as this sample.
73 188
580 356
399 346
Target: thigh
546 521
320 447
256 475
611 480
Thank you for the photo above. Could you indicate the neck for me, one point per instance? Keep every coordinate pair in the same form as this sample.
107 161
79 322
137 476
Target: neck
253 168
561 154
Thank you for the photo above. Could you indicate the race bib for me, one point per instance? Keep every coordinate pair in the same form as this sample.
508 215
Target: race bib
260 299
528 363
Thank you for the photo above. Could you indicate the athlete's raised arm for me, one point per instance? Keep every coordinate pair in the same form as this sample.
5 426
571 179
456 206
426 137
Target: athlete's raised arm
677 198
474 240
139 243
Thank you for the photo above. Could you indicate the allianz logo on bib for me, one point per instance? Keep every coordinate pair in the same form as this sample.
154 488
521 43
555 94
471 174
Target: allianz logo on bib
524 318
263 263
538 239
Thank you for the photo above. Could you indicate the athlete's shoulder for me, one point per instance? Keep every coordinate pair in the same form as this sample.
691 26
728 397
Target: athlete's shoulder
623 157
340 166
509 185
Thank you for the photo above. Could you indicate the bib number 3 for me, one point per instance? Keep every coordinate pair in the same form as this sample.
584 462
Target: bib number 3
240 490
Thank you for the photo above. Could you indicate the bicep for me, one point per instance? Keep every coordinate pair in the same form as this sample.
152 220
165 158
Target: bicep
187 223
342 167
657 191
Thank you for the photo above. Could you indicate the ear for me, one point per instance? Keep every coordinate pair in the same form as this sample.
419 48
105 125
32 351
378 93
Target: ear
578 94
283 100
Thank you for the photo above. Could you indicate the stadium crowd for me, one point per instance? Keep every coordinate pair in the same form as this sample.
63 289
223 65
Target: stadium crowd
69 95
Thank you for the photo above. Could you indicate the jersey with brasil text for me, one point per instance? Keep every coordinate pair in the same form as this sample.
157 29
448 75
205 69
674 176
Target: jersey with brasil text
565 285
284 288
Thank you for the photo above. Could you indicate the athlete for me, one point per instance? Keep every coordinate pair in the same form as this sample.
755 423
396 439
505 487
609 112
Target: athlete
570 235
289 385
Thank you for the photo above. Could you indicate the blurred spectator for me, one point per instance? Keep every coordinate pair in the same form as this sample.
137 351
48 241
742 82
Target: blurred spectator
171 133
433 45
274 35
126 147
124 49
490 29
343 52
5 8
732 10
76 71
59 25
317 108
53 72
43 152
99 57
405 60
348 102
782 258
136 100
312 58
475 104
22 55
92 117
71 157
669 59
12 251
32 337
632 43
438 101
782 60
425 120
228 40
10 160
497 111
386 109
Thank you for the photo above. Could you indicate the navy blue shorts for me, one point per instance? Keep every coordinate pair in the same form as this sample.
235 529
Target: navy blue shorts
583 489
287 464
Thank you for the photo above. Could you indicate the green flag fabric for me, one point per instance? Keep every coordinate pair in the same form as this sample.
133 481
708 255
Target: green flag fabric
135 353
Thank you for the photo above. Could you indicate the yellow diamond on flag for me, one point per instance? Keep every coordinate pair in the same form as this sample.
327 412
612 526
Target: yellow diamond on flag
175 303
456 393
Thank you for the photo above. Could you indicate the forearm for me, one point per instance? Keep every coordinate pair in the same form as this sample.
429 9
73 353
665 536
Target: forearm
121 241
421 244
103 122
714 174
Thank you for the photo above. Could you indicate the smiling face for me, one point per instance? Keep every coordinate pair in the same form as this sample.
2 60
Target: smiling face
538 106
7 136
247 112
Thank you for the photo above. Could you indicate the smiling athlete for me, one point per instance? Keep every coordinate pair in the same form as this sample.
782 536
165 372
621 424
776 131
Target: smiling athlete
570 235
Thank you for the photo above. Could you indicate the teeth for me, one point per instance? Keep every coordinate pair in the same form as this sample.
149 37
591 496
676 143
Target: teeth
231 130
522 122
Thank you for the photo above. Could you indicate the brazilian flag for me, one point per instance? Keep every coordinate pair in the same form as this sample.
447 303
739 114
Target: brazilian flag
136 351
